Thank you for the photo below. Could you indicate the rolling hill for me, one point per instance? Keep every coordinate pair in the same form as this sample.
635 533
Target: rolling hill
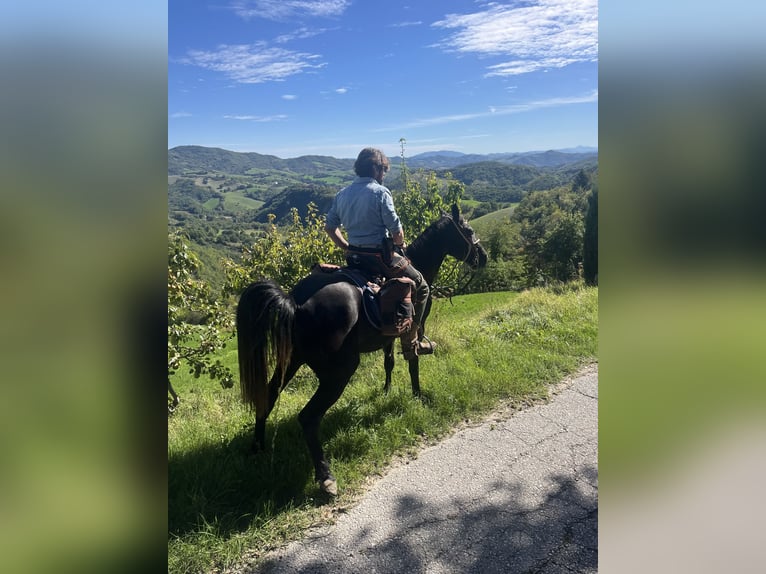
221 199
195 160
544 159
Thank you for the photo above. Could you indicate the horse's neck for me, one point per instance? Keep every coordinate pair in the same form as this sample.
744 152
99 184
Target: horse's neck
426 260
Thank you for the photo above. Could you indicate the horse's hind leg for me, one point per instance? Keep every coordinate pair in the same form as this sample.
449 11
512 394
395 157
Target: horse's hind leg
332 382
276 384
388 364
414 368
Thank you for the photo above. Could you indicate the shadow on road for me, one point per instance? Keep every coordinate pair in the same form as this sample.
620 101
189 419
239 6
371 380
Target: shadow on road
548 527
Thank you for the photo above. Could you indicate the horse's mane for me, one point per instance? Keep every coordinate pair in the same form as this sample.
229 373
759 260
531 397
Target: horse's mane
429 231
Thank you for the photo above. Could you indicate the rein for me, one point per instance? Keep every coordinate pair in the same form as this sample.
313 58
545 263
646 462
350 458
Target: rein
469 273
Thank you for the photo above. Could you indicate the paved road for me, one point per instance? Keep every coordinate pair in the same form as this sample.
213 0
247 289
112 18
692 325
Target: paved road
519 493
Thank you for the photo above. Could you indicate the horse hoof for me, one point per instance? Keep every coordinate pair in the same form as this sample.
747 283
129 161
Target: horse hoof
329 486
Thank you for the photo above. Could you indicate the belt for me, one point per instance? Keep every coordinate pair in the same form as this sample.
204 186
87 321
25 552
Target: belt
366 248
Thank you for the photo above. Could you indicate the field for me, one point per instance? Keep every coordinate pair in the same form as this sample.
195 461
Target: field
485 220
226 506
503 213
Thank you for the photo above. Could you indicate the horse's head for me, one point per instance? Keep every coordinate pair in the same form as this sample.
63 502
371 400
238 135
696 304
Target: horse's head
468 249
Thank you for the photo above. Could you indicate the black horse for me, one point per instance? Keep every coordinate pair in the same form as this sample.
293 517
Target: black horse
321 323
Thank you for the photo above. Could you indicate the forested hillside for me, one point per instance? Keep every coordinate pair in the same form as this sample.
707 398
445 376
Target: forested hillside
196 160
550 158
298 197
222 200
209 181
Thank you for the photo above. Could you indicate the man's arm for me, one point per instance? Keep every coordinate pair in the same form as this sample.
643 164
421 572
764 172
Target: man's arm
337 237
391 219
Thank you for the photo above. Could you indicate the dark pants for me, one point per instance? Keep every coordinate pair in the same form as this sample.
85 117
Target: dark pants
400 266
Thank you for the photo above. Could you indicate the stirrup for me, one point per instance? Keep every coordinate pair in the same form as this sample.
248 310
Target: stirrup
419 348
425 347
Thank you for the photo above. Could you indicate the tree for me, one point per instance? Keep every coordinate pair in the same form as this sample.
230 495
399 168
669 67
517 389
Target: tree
499 239
189 297
581 181
562 247
285 255
551 234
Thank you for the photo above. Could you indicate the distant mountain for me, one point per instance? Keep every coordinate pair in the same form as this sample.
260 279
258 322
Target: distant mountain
579 149
549 158
444 153
186 160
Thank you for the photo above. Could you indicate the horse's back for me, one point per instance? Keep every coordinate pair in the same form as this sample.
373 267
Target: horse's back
310 285
328 310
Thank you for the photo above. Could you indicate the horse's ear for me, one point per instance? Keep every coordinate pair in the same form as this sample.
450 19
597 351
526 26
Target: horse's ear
455 212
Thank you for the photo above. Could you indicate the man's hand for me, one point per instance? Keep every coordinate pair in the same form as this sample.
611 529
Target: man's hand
337 237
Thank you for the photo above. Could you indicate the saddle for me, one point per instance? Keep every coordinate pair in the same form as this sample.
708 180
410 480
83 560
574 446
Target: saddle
387 303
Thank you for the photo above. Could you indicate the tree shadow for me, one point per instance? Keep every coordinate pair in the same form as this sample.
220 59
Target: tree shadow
229 488
512 528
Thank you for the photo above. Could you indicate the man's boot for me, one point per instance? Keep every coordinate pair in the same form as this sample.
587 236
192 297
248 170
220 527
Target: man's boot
411 347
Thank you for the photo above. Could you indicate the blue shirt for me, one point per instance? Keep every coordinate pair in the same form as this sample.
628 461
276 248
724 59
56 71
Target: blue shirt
366 210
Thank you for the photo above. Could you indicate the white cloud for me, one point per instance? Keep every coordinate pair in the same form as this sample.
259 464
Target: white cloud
290 97
542 35
300 34
276 118
405 24
495 111
253 63
281 10
181 115
341 90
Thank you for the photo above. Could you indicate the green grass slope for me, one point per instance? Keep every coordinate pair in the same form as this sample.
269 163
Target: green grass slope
226 506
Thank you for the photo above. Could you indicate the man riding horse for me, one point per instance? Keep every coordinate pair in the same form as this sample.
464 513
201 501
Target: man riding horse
321 321
376 238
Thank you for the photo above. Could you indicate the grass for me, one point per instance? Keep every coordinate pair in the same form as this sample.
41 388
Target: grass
500 214
235 201
227 506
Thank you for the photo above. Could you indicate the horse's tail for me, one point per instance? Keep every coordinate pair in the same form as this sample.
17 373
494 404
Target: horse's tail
265 315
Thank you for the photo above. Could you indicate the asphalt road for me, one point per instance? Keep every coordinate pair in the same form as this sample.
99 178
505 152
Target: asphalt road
518 493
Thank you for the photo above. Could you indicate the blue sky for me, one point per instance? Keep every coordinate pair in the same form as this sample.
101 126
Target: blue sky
328 77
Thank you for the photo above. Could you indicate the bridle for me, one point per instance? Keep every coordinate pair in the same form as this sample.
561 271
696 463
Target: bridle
472 243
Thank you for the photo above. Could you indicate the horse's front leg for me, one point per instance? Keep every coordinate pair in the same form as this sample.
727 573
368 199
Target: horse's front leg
414 364
388 363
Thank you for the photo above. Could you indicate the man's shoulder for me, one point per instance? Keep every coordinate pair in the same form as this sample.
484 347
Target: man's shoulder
367 183
378 188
